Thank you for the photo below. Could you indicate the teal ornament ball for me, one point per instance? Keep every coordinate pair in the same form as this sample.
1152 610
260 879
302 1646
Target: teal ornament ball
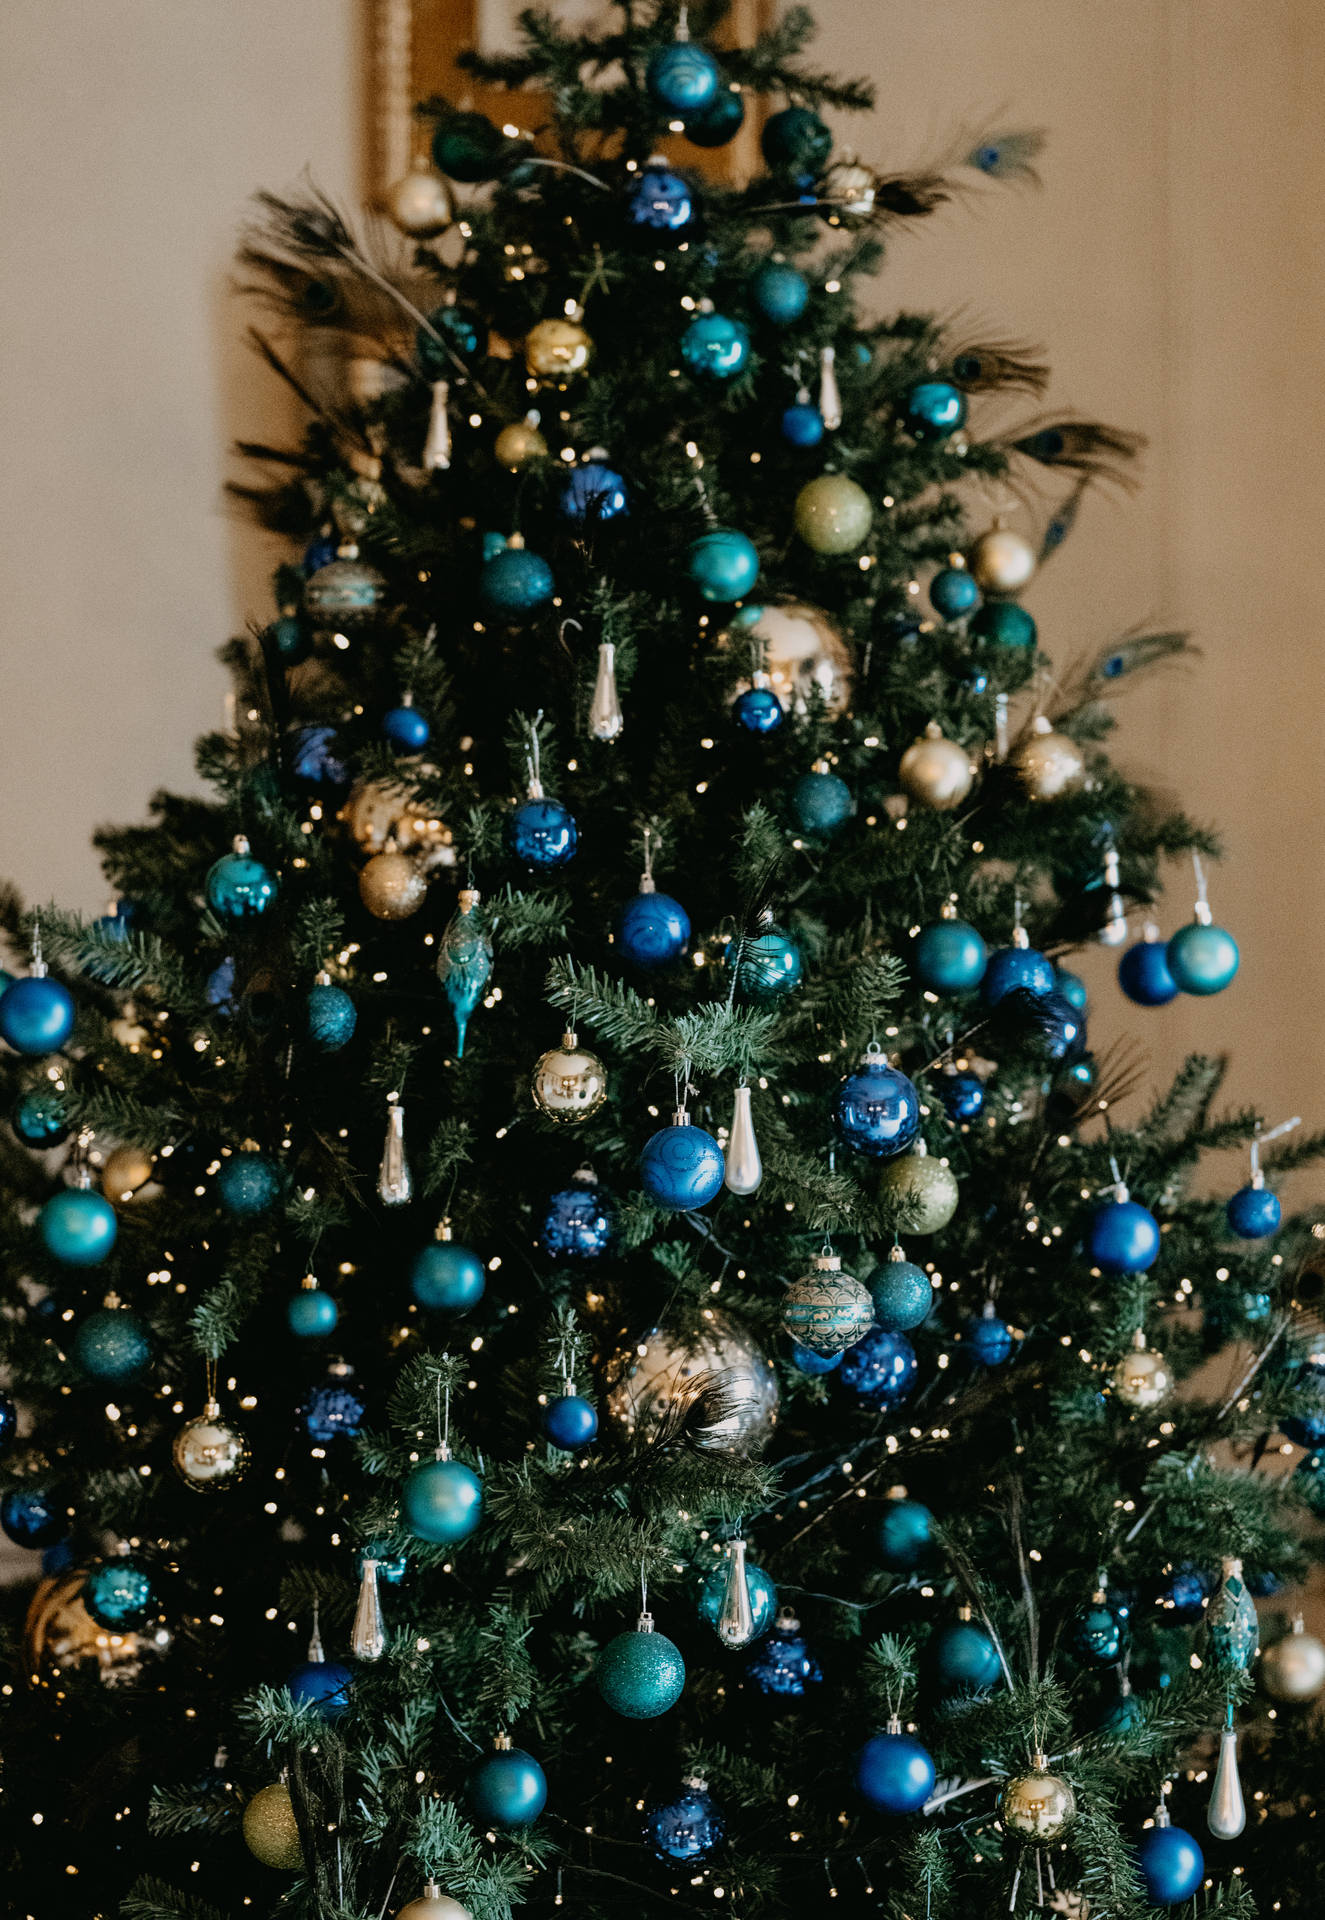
119 1595
1002 623
949 956
331 1016
934 410
507 1789
821 802
288 638
447 1278
682 77
682 1167
1201 959
720 121
442 1501
468 147
464 336
905 1536
715 347
1098 1634
768 965
36 1015
901 1292
953 593
238 887
962 1658
39 1118
640 1674
248 1183
112 1344
763 1596
515 583
77 1227
312 1314
795 141
779 292
723 565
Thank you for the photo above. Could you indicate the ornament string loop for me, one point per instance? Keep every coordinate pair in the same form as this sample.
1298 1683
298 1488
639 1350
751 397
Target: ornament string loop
1263 1140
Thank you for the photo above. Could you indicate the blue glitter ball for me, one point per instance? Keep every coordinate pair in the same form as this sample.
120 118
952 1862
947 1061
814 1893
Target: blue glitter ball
720 121
406 728
682 1167
880 1369
1002 623
988 1339
905 1536
652 930
782 1665
77 1227
464 333
312 1313
795 140
962 1095
36 1015
8 1419
507 1789
949 956
768 965
961 1658
542 834
330 1016
447 1278
762 1593
660 202
321 1684
802 424
821 802
682 76
31 1517
1123 1237
894 1773
640 1674
442 1501
1172 1865
877 1109
902 1295
119 1595
715 347
1072 987
758 710
514 583
313 758
686 1829
723 564
1013 967
334 1409
593 492
1202 960
1253 1212
39 1118
953 592
579 1221
570 1422
248 1183
1143 974
112 1344
933 410
779 292
238 888
807 1361
1182 1592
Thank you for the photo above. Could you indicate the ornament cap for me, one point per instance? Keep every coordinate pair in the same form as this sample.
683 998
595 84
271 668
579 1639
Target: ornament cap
211 1409
1231 1566
515 542
1299 1624
896 1257
569 1040
502 1742
584 1176
1162 1815
695 1781
680 1118
787 1621
965 1611
1139 1344
442 1231
647 883
1039 1760
469 899
894 1723
240 845
645 1623
309 1283
321 978
827 1263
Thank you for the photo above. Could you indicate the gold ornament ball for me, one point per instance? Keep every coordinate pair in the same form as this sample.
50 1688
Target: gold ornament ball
392 887
833 514
1293 1669
803 654
420 203
59 1635
923 1190
568 1082
557 349
209 1454
649 1378
126 1169
1142 1378
520 444
381 810
433 1904
271 1832
936 771
1037 1806
1049 764
353 508
1001 561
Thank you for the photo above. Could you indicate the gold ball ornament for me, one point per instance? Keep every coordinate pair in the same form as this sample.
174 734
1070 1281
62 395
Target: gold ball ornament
126 1169
519 445
1038 1806
651 1377
557 349
1048 764
936 771
568 1082
833 514
271 1832
433 1904
1001 561
381 810
420 203
922 1189
60 1635
1293 1669
209 1454
1141 1379
803 654
391 886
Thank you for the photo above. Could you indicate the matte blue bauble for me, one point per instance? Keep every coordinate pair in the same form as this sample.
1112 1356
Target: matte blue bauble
543 834
763 1595
248 1183
660 202
1182 1593
894 1773
953 592
1171 1863
988 1339
1143 974
594 492
723 564
36 1015
8 1419
464 333
902 1295
686 1829
640 1675
682 1167
312 1313
289 639
323 1685
77 1227
802 424
795 141
782 1665
39 1118
880 1369
821 802
1123 1237
570 1422
1072 987
406 728
905 1536
1097 1635
768 965
933 410
220 988
238 887
715 347
962 1658
758 710
949 956
507 1789
963 1096
112 1344
313 757
119 1595
579 1222
334 1410
720 121
682 77
652 930
331 1017
807 1361
1012 967
1201 960
1253 1212
320 552
442 1501
515 582
1003 624
447 1278
877 1109
779 292
31 1518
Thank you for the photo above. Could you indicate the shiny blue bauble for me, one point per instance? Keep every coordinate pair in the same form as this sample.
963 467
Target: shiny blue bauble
406 728
933 410
289 639
442 1501
579 1222
36 1015
877 1109
313 757
542 834
758 710
31 1518
515 582
902 1295
39 1118
248 1183
1182 1592
779 292
723 565
681 1168
77 1227
570 1422
447 1278
119 1595
1253 1212
640 1675
238 888
1172 1865
988 1339
720 121
1201 959
652 930
1143 974
782 1666
1123 1237
1003 624
880 1369
1072 987
681 77
767 966
821 802
962 1095
686 1829
312 1313
323 1685
464 333
1012 967
715 347
334 1409
660 202
763 1596
802 424
593 493
795 141
905 1536
331 1017
8 1419
949 956
1097 1634
953 592
807 1361
112 1344
961 1658
507 1789
894 1773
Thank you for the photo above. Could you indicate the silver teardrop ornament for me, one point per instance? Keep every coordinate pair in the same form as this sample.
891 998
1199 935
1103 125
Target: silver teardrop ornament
736 1625
745 1169
437 447
395 1186
605 716
830 400
368 1634
1228 1812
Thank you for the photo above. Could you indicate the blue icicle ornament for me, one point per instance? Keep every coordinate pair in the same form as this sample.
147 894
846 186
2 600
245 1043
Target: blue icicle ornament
464 964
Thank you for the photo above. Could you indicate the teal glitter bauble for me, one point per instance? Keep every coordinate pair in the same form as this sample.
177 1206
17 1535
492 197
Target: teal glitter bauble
515 582
331 1017
821 802
248 1183
640 1674
442 1501
763 1596
902 1295
779 292
77 1227
112 1344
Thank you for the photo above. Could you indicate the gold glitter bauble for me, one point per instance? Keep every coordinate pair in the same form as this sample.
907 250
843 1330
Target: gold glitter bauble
1048 764
1141 1378
518 444
1001 561
568 1082
126 1169
803 655
433 1904
833 513
209 1454
271 1832
1294 1667
1038 1805
59 1635
381 810
924 1190
935 771
420 203
392 886
648 1379
556 349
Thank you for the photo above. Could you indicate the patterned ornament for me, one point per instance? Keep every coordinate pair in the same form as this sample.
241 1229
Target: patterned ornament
833 514
880 1369
901 1292
1038 1806
652 929
688 1828
877 1109
651 1378
345 592
1232 1629
464 962
1141 1379
579 1221
921 1190
507 1789
894 1773
826 1309
446 1277
568 1082
681 77
935 771
682 1166
640 1674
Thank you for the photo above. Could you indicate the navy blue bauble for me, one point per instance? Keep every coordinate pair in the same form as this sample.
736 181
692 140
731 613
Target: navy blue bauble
323 1685
880 1369
1201 959
1123 1237
779 292
1253 1212
514 583
687 1828
1047 1023
720 121
312 1314
682 1167
334 1410
894 1773
248 1183
570 1422
31 1518
933 410
988 1339
77 1227
682 77
963 1096
36 1015
902 1295
406 728
320 552
119 1595
949 956
758 710
112 1344
802 424
807 1361
652 930
331 1017
1072 987
1013 967
821 802
507 1789
905 1536
715 347
659 202
953 592
543 834
961 1658
1182 1592
767 965
1097 1634
39 1118
579 1221
447 1278
238 888
782 1665
442 1501
1171 1863
1003 624
1143 974
593 493
723 564
288 637
877 1110
464 333
8 1419
795 141
313 757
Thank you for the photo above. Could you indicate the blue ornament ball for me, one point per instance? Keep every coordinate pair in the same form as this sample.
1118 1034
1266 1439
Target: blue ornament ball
248 1183
962 1658
953 592
1202 960
652 930
807 1361
1072 988
877 1109
1172 1865
31 1518
962 1095
119 1595
220 988
1253 1212
1182 1591
821 802
8 1419
1013 967
933 410
579 1221
905 1536
320 552
659 202
1306 1427
442 1501
782 1665
723 564
1002 623
686 1829
682 1167
720 121
894 1773
112 1344
880 1369
405 727
593 493
795 140
767 965
902 1295
542 834
988 1339
238 888
1123 1237
1143 974
779 292
507 1789
715 347
323 1685
570 1422
447 1278
640 1674
36 1015
949 956
39 1118
802 424
758 710
314 758
334 1409
1097 1634
682 77
331 1017
762 1592
312 1313
77 1227
514 583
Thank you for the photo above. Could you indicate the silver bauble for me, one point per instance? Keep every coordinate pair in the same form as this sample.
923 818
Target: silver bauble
568 1082
209 1454
1037 1805
1001 561
935 771
802 653
433 1904
1142 1378
1293 1669
647 1379
420 203
1049 764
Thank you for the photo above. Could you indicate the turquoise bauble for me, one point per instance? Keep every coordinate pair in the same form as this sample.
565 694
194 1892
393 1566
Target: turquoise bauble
768 965
77 1227
442 1501
821 802
723 564
238 887
119 1595
640 1674
795 141
902 1294
949 956
312 1314
682 77
952 593
682 1167
1003 624
963 1659
1201 959
468 147
289 639
508 1789
1097 1634
514 583
39 1118
447 1278
248 1183
905 1536
763 1596
779 292
36 1015
331 1016
933 410
112 1344
715 347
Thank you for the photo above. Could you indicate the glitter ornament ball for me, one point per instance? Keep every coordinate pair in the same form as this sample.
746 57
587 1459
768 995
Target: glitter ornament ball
962 1096
323 1685
36 1015
39 1119
659 203
570 1422
77 1227
441 1501
271 1832
514 583
1293 1669
901 1293
579 1221
542 834
1123 1237
880 1369
905 1536
782 1665
779 292
640 1674
31 1518
715 347
681 77
1038 1806
894 1773
392 886
1143 974
238 887
1142 1379
568 1082
759 1589
119 1595
1013 967
652 930
802 424
446 1277
112 1345
767 965
1201 959
826 1309
650 1376
821 803
557 349
923 1191
933 410
682 1167
208 1453
1253 1213
248 1183
330 1017
420 203
833 514
343 593
508 1788
1002 561
949 956
467 147
593 493
720 121
334 1409
795 140
1172 1864
686 1829
953 593
877 1109
758 710
935 771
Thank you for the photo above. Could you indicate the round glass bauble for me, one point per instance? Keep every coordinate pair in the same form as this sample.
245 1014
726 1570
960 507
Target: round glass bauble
905 1536
723 564
1293 1669
1123 1237
783 1665
507 1789
894 1773
652 930
758 710
392 886
119 1595
1049 764
962 1096
343 593
802 424
1143 974
447 1278
922 1191
557 349
77 1227
812 1364
720 121
579 1221
441 1501
686 1829
780 292
877 1109
271 1832
31 1517
953 593
1001 560
1172 1865
715 347
767 965
902 1294
1142 1379
334 1409
1201 959
1037 1806
826 1309
1002 623
468 147
1097 1635
406 729
238 888
323 1685
936 772
961 1658
1013 967
312 1314
949 956
681 77
420 203
880 1369
989 1339
933 410
795 140
519 444
821 803
515 583
660 202
542 834
330 1016
568 1082
36 1015
1253 1213
570 1422
592 494
209 1454
39 1118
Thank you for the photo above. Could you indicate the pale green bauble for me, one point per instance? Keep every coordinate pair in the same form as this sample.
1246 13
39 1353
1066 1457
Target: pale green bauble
923 1190
833 514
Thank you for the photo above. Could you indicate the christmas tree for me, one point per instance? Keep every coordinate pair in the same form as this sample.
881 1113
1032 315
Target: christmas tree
585 1329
